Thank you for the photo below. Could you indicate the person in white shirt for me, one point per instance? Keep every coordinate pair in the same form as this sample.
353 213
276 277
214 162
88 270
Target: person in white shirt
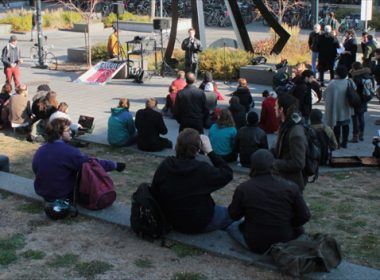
63 109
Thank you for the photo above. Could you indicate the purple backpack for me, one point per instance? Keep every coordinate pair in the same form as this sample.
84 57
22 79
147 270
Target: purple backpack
96 188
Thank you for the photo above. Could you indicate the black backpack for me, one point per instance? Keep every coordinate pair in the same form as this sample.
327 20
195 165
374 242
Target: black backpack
324 146
147 218
280 79
313 154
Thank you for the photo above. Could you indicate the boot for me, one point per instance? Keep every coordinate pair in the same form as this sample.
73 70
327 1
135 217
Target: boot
361 136
355 139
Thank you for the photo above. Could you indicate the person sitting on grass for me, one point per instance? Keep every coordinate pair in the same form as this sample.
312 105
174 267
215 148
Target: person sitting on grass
121 127
150 125
249 139
5 95
267 209
4 163
244 95
222 136
325 135
56 164
63 109
183 185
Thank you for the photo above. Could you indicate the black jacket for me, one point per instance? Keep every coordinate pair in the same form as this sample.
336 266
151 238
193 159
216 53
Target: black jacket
183 189
357 77
191 48
347 59
327 45
248 140
302 92
375 68
190 106
273 209
149 124
313 41
238 113
245 97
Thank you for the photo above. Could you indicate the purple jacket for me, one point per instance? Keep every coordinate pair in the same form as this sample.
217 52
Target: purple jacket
55 166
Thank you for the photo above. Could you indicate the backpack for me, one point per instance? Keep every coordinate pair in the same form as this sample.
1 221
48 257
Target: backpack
308 253
369 90
324 141
280 79
96 189
313 154
288 88
147 218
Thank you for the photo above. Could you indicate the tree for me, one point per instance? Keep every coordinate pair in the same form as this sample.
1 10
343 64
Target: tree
87 10
280 7
152 9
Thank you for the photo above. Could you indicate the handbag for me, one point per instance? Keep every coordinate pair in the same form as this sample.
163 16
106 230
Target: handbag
352 96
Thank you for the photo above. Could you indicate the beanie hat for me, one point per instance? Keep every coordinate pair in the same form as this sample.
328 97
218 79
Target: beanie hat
252 118
13 38
261 161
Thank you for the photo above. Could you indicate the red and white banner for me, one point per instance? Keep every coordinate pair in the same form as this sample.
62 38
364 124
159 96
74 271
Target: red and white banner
101 73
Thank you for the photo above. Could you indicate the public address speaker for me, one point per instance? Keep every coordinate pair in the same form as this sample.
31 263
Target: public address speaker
118 8
161 23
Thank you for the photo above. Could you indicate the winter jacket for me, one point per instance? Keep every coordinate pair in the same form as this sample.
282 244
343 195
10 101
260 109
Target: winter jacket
150 125
191 50
245 97
268 119
190 107
239 115
11 54
350 45
179 84
358 76
327 53
337 108
369 52
183 189
121 128
375 68
302 92
290 151
222 139
313 41
56 166
19 109
248 140
273 210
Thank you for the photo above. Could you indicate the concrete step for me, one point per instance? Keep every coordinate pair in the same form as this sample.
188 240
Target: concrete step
217 242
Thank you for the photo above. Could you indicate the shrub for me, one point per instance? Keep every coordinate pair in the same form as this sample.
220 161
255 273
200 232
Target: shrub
20 20
111 18
295 50
99 51
219 60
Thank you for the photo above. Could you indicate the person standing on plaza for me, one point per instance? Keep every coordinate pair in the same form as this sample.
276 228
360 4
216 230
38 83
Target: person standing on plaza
190 109
350 49
375 69
192 46
34 25
369 50
313 46
113 44
333 22
11 58
327 53
5 4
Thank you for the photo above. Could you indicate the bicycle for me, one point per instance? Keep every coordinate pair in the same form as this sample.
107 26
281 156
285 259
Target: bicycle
48 58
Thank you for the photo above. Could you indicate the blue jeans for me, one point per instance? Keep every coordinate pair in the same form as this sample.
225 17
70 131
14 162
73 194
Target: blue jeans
314 58
4 163
220 220
236 234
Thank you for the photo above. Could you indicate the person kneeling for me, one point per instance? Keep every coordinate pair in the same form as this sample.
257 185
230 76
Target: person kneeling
182 186
56 164
150 125
273 208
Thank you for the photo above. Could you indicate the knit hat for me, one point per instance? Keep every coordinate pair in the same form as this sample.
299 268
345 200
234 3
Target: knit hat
252 118
273 94
209 87
13 38
261 161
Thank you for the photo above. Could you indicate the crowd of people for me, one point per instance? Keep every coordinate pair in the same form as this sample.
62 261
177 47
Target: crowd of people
265 209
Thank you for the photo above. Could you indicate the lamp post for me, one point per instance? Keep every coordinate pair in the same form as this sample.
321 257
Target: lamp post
316 12
41 63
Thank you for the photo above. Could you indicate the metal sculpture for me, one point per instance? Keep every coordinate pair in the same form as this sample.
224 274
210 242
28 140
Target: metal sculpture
237 17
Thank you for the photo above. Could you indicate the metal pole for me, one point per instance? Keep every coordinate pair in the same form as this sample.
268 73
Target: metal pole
316 11
41 62
161 9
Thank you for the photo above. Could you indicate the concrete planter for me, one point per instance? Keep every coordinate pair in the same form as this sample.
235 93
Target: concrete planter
77 54
5 28
82 27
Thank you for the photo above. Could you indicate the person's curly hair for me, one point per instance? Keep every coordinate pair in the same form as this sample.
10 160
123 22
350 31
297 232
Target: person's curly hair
225 119
54 129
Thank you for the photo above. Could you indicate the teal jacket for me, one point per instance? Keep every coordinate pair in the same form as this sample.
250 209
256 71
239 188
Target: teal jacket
121 127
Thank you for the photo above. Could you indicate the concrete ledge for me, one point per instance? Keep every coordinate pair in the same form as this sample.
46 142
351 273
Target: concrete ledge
261 74
77 54
147 27
82 27
217 242
5 28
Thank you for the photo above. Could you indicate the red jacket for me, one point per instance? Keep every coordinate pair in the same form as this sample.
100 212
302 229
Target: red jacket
179 84
268 120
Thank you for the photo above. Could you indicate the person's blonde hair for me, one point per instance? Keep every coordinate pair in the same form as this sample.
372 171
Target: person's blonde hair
22 89
124 103
62 107
181 74
243 82
151 103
